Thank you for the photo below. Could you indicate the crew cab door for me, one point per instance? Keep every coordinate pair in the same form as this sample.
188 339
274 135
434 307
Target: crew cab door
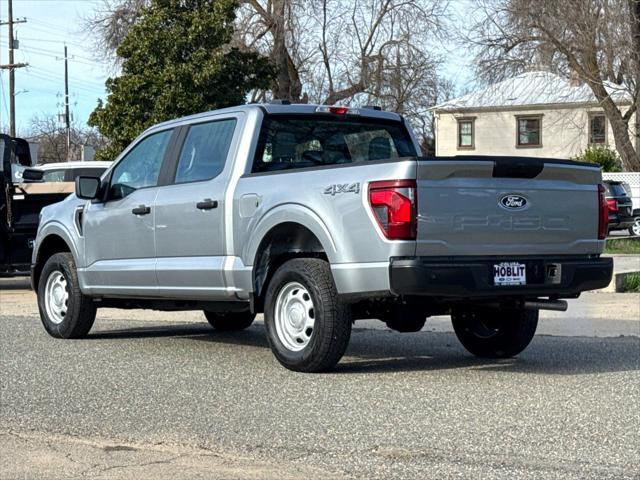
190 213
119 231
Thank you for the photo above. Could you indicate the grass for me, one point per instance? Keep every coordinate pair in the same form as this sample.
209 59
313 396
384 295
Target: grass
631 283
623 245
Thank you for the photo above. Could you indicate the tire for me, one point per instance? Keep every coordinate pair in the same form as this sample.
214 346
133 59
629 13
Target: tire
65 312
231 321
406 319
492 333
308 327
634 230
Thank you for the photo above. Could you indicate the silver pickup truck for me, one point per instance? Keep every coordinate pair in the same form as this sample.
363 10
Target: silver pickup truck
317 216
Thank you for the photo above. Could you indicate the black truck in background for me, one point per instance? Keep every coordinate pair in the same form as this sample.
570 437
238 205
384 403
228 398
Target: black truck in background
20 205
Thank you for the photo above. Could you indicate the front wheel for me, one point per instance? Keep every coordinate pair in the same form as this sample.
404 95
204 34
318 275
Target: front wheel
65 312
493 333
308 327
634 230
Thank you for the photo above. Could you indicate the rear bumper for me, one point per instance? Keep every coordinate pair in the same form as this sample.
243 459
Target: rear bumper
473 277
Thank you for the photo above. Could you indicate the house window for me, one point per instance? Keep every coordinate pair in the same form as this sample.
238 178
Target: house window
529 132
597 128
466 133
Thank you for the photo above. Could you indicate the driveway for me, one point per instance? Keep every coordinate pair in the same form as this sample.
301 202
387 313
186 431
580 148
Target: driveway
161 395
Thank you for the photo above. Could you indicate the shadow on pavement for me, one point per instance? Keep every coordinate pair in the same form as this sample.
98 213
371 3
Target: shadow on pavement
382 351
15 283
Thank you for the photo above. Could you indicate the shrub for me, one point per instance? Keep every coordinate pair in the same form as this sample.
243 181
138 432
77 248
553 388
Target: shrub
606 157
631 283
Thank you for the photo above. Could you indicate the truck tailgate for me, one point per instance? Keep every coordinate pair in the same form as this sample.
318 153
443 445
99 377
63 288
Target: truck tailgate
506 206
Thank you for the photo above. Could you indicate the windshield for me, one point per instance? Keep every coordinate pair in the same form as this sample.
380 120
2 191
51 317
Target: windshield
616 190
305 141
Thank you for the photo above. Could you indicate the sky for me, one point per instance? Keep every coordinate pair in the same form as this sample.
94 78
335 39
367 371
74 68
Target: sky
53 23
40 87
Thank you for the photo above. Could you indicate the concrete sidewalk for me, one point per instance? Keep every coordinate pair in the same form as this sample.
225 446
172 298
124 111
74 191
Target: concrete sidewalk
625 263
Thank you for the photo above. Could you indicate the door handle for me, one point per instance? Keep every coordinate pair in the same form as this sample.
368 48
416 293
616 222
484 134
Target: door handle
141 210
207 204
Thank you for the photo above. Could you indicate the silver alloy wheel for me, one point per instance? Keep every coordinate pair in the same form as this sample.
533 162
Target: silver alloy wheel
294 316
636 226
56 297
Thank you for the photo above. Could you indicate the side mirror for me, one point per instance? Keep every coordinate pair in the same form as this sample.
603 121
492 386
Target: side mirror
22 151
32 175
87 188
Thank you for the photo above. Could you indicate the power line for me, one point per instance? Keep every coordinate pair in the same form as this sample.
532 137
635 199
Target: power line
86 83
12 66
47 77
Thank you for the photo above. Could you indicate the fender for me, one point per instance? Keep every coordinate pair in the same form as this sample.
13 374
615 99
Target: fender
290 213
56 228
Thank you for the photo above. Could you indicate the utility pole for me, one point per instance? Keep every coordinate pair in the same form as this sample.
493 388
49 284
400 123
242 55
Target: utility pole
11 66
67 120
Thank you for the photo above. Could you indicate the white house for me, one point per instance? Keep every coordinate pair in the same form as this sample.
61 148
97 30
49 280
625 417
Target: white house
536 114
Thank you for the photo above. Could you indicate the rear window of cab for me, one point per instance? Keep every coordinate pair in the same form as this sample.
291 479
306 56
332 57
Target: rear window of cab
303 141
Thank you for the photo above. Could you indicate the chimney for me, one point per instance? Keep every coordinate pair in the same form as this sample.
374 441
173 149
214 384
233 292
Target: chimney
574 78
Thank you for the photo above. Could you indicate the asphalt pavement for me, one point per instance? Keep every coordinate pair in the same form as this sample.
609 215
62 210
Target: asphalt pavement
156 395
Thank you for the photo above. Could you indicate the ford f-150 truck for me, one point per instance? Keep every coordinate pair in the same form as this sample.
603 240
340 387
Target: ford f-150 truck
317 216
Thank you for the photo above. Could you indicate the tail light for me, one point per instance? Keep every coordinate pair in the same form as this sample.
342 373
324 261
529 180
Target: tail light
394 204
603 215
612 205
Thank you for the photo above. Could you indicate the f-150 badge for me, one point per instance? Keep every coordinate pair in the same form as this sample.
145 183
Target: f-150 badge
342 188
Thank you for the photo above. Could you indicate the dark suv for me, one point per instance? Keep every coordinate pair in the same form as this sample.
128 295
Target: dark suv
620 206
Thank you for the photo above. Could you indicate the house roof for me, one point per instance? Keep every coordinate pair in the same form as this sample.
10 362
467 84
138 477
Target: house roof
529 89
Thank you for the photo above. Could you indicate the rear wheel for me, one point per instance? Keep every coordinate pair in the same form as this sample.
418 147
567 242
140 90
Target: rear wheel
65 312
308 327
493 333
230 321
634 230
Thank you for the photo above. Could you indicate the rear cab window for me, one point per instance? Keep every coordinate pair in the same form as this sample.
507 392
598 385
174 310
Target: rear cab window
304 141
616 190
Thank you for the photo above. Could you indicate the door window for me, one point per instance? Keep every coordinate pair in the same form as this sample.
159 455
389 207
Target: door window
53 176
140 168
205 151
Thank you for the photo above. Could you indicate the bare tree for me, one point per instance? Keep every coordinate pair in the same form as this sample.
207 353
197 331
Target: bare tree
337 49
595 41
109 24
52 139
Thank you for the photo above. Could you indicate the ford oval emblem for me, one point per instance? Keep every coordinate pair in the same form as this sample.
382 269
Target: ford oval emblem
513 202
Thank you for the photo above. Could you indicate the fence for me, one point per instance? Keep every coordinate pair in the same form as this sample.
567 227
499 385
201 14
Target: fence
630 178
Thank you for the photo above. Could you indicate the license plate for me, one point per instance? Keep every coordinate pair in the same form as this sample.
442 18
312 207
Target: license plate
509 273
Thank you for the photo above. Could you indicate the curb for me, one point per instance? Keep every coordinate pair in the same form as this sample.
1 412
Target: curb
618 281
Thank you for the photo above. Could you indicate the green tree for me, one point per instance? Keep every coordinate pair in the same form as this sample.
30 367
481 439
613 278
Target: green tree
602 155
176 61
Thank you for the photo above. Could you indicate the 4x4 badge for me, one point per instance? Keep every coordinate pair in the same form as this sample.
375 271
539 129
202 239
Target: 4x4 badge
342 188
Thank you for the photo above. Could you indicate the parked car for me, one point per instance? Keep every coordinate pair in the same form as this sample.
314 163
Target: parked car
318 216
20 205
634 229
620 206
68 171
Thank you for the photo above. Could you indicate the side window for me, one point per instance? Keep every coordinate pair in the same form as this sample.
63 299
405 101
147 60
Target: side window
53 176
141 166
205 151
